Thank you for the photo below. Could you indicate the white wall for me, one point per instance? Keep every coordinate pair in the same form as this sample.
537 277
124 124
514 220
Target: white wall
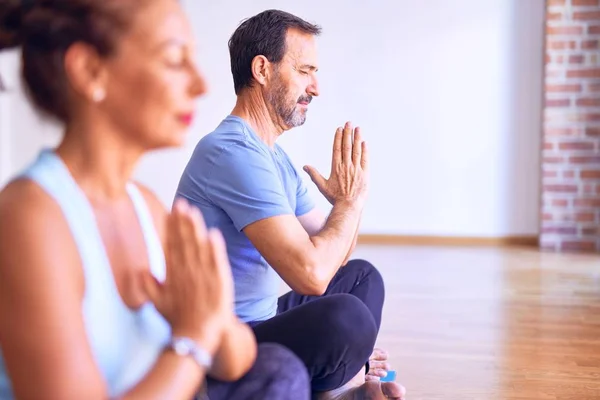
23 131
448 95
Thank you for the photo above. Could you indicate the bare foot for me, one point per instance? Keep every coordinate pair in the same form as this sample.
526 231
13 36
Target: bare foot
378 365
358 389
379 391
372 390
393 390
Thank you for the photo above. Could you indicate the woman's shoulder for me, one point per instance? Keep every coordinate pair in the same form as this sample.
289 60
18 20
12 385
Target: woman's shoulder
29 213
34 234
24 198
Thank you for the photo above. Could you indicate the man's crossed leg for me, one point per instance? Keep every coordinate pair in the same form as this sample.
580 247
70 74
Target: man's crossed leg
334 334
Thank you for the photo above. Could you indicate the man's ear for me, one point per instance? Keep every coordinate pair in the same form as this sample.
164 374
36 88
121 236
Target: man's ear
260 69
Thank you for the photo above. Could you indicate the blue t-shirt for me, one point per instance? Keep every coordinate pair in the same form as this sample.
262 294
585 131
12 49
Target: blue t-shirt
236 179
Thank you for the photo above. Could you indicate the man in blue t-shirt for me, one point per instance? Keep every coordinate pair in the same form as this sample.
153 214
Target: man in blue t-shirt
246 185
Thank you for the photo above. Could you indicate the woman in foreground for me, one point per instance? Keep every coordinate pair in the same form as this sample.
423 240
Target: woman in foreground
103 294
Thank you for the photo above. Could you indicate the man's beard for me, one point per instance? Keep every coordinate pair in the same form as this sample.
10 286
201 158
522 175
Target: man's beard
287 110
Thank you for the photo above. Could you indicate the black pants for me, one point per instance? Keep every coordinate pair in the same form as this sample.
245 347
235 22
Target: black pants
276 374
333 334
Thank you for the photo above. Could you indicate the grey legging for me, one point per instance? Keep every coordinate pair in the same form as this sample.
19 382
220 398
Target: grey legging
277 374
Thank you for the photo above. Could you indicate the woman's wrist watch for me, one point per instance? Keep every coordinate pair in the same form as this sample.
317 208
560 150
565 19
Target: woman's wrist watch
185 346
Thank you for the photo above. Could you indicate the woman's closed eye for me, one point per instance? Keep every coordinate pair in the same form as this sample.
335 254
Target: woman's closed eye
175 57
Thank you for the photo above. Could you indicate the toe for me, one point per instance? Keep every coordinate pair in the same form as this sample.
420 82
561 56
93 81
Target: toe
379 354
373 365
379 372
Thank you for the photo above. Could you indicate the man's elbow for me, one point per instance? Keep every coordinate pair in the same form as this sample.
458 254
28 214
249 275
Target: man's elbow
314 282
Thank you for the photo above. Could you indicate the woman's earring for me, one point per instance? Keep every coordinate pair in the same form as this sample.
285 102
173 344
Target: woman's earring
98 95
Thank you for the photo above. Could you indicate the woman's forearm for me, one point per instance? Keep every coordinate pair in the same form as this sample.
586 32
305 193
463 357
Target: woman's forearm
174 376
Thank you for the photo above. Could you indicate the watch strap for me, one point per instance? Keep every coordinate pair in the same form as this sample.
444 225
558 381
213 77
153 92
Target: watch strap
185 346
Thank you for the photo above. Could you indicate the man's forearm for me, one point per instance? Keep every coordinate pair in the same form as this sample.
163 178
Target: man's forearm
352 244
333 243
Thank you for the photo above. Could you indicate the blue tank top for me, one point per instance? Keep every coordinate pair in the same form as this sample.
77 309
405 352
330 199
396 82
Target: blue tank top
125 343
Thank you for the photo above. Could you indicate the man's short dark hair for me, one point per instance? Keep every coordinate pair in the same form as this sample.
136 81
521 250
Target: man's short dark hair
263 34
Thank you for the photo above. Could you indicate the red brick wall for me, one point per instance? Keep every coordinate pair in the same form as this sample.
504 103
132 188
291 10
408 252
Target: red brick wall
571 149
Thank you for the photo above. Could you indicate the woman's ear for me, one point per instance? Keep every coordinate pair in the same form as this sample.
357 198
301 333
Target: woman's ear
86 72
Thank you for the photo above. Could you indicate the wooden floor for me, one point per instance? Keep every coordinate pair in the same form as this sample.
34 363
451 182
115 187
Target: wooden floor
489 323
